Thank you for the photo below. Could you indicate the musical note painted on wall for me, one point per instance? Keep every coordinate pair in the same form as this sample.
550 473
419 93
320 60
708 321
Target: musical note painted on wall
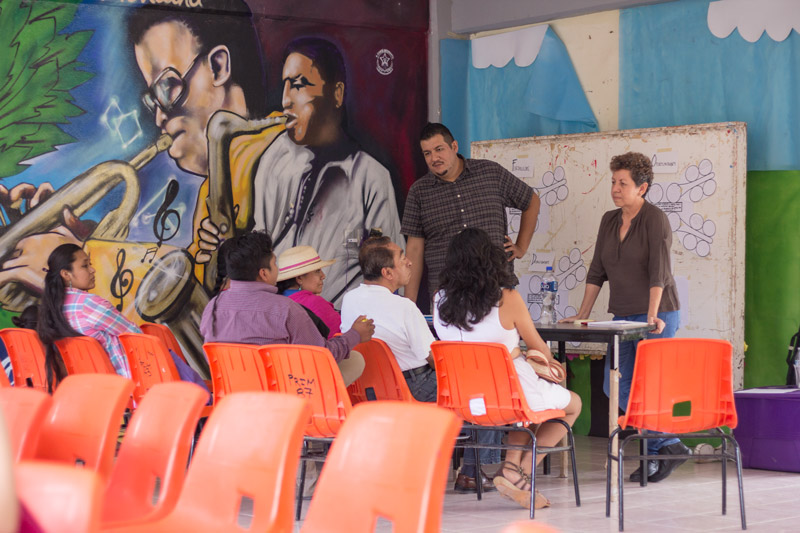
122 281
167 221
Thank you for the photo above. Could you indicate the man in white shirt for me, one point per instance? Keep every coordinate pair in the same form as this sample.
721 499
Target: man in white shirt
398 321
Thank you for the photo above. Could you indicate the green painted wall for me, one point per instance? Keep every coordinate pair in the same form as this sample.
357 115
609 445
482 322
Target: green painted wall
772 274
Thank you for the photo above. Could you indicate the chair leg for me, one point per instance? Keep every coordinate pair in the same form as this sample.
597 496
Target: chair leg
571 438
609 460
620 469
741 484
299 505
478 472
533 474
643 462
724 477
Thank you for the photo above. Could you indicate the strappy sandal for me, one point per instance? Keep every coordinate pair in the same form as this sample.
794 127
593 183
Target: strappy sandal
519 491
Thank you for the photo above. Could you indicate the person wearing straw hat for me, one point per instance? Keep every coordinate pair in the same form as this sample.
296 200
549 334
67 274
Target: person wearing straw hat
300 277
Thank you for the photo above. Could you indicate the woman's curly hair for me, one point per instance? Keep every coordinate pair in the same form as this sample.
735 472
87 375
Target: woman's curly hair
639 165
472 281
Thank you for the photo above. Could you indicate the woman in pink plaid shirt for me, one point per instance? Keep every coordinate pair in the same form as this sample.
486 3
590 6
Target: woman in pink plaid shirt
68 310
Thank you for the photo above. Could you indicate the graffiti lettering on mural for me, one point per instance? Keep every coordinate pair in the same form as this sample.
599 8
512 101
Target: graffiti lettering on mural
678 200
173 3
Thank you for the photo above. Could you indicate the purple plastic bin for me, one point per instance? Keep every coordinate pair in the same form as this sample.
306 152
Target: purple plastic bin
769 429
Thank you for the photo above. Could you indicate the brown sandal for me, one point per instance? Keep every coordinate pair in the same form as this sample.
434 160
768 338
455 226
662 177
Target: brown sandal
519 491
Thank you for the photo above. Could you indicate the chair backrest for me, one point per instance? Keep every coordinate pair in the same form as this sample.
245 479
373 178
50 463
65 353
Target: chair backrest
382 378
478 381
310 372
408 444
668 372
60 498
235 368
151 464
83 423
84 355
149 361
27 357
24 410
247 458
167 337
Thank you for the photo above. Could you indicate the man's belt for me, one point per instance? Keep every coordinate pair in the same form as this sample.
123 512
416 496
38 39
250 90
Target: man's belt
416 371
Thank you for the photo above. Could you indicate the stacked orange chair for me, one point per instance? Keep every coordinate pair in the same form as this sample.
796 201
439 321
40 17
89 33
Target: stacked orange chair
667 372
235 368
478 381
84 355
310 372
27 356
82 425
242 475
382 378
24 410
407 443
151 464
61 498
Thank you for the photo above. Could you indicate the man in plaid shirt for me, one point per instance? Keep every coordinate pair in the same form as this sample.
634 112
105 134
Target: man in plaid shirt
460 193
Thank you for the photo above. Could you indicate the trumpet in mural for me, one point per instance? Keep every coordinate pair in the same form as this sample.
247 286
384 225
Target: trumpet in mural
80 194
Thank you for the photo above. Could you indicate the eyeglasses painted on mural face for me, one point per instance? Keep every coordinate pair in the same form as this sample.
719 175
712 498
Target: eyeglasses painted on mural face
168 89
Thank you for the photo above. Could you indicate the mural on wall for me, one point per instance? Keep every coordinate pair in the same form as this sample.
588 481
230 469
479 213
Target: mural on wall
149 133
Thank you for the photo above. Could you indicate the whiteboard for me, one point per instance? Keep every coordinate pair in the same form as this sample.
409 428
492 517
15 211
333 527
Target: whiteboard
700 180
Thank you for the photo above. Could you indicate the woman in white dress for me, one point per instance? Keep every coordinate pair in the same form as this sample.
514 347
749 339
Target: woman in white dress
476 302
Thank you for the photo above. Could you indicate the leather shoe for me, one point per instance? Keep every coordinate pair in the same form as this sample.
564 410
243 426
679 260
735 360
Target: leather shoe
652 469
465 484
666 467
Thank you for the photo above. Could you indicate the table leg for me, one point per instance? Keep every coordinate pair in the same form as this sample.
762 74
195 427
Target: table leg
613 412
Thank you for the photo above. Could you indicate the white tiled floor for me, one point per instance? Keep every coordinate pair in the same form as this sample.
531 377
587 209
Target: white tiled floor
689 500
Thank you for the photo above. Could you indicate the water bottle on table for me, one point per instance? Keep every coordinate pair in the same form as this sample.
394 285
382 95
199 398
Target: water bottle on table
549 289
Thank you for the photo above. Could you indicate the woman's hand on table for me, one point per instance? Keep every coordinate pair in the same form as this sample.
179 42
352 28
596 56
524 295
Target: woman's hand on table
658 322
571 319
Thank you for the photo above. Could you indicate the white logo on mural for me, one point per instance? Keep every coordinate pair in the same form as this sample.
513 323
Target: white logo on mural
384 62
695 231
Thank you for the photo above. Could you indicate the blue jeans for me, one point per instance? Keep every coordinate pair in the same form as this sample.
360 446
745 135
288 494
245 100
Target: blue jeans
487 456
627 357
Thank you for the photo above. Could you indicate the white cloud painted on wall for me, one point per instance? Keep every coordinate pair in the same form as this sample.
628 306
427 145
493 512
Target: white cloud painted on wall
752 18
497 50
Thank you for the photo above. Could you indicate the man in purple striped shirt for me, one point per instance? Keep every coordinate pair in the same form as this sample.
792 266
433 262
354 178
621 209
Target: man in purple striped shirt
251 311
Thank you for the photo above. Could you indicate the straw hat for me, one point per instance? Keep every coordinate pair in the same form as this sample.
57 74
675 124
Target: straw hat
298 261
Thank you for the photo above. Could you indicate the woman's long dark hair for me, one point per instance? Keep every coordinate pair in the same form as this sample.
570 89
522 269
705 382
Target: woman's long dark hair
472 281
53 324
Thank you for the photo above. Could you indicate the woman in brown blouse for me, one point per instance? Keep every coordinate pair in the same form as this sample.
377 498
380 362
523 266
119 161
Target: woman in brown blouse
632 253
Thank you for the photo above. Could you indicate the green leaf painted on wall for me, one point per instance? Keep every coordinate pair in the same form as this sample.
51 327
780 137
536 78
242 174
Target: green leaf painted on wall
38 68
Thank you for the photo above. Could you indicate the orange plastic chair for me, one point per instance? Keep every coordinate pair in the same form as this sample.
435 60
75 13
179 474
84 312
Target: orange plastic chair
310 372
478 381
407 443
382 378
165 334
242 474
151 464
83 423
61 499
84 355
697 373
24 410
235 368
4 382
27 357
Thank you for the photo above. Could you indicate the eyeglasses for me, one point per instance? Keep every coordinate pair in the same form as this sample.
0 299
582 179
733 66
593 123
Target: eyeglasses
168 89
